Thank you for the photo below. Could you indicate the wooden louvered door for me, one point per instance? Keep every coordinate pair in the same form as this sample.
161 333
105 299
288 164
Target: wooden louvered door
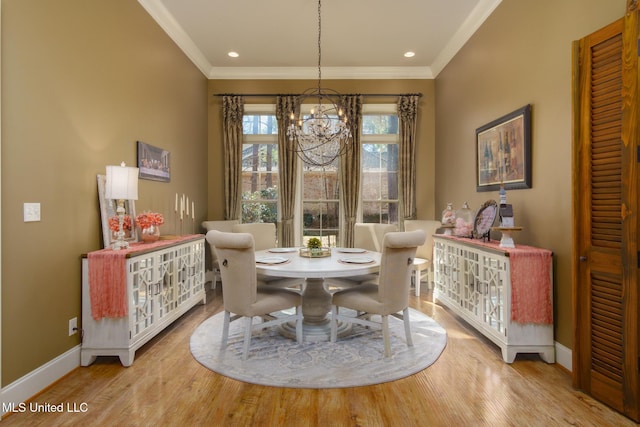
605 185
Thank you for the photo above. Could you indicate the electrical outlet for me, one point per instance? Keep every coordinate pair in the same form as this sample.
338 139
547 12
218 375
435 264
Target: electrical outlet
73 326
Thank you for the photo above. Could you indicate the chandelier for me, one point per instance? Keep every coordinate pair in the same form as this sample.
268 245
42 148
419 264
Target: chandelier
323 135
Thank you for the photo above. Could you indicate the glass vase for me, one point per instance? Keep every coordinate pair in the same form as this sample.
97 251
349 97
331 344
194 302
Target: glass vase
464 221
150 234
448 215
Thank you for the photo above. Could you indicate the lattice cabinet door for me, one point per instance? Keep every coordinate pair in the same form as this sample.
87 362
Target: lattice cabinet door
166 283
143 285
190 263
494 280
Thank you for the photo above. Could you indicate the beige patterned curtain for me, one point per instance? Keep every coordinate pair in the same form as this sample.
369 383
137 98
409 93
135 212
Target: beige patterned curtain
288 169
232 111
407 114
350 167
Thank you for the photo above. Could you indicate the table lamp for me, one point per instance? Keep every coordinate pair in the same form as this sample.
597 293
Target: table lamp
121 184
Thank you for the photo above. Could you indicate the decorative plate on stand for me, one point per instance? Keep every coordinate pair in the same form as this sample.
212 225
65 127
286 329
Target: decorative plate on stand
484 219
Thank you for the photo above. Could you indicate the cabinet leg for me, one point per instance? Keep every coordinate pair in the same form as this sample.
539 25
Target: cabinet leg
509 355
87 359
548 355
126 358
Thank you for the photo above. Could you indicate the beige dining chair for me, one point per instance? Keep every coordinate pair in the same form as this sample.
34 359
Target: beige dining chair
389 296
264 236
264 233
369 235
212 273
424 254
241 295
366 236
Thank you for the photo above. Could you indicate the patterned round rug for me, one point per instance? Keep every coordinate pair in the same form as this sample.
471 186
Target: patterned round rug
355 360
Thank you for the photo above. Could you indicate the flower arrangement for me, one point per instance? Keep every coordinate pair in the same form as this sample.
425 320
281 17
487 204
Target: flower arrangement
314 243
147 219
114 223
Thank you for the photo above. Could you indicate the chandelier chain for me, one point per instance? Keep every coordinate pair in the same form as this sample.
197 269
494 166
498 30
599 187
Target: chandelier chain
322 135
319 43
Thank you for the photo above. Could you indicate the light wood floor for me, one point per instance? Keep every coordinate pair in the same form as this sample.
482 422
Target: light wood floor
469 385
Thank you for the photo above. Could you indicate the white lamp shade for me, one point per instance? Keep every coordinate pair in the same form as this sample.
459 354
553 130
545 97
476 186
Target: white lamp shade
121 183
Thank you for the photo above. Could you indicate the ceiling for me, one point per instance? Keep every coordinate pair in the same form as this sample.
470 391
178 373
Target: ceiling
278 39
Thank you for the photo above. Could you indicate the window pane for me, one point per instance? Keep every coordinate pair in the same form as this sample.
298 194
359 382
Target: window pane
320 219
379 124
259 125
380 183
379 171
259 183
320 183
260 169
259 212
380 212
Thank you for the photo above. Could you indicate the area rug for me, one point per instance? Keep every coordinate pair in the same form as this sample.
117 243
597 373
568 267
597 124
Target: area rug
355 360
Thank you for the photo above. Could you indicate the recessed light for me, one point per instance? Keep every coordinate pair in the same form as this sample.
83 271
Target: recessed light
233 54
409 54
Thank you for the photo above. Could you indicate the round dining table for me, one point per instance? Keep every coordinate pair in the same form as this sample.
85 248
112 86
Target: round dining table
316 297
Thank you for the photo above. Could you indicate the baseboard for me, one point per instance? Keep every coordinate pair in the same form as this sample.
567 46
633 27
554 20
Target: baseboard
36 381
564 356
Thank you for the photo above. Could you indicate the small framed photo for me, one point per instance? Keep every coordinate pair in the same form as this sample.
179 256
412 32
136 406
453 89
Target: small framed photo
503 152
154 163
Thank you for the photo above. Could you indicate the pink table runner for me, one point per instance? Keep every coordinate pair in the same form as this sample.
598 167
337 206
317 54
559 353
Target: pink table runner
531 297
108 276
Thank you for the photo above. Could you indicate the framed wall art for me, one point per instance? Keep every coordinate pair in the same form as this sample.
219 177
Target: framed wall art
108 210
154 163
503 152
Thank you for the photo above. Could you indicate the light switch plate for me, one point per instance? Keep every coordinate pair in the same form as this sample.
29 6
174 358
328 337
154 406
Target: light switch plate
31 212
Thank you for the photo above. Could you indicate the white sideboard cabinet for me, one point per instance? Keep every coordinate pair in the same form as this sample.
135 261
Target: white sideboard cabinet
474 279
164 279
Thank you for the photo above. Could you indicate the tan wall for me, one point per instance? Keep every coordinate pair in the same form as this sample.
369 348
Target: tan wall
425 133
521 55
82 81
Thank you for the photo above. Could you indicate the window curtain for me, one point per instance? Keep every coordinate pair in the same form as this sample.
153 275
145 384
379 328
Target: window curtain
288 169
407 115
350 167
232 111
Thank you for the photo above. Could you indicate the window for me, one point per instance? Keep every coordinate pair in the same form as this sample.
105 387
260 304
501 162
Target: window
321 203
318 197
260 168
379 191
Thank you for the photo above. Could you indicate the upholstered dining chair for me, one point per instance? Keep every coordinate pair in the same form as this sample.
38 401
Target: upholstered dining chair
213 270
424 254
365 236
264 233
369 235
389 296
241 294
264 236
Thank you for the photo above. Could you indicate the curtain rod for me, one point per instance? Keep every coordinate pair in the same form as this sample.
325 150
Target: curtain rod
273 95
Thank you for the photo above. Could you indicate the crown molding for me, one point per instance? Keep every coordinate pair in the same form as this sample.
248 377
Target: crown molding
167 22
477 17
296 73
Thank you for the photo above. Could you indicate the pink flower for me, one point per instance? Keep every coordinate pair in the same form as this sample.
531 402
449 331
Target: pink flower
114 223
147 219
